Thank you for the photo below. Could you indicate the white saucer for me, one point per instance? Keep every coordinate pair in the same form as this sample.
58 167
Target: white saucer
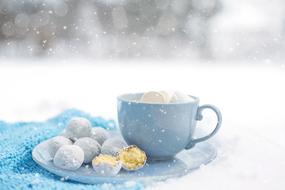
184 163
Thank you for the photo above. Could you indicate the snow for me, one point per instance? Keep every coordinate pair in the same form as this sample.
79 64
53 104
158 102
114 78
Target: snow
251 143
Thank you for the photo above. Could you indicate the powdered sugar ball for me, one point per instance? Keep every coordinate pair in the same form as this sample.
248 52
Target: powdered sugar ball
77 127
69 157
99 134
113 145
90 147
56 142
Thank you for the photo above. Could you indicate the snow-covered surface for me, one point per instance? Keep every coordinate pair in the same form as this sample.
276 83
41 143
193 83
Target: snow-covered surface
251 143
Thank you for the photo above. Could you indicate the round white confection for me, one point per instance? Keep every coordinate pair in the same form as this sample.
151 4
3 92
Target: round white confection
56 142
167 95
69 157
77 127
99 134
180 97
153 97
112 146
90 147
104 169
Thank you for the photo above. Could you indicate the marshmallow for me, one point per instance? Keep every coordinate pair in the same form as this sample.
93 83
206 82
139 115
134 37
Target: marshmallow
99 134
167 95
180 97
69 157
90 147
76 128
153 97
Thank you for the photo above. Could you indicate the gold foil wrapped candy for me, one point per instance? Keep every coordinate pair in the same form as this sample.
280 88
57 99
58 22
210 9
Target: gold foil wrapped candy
132 158
106 165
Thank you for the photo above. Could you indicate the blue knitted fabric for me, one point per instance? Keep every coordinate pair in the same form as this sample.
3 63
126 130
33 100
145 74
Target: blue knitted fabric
19 171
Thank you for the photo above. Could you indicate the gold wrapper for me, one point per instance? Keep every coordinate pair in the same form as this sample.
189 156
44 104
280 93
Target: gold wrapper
105 159
132 158
106 165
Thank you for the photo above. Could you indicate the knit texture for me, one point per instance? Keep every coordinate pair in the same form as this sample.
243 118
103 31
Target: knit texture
19 171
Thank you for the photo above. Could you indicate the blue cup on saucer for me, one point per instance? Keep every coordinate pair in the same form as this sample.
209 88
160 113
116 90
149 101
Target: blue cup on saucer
161 130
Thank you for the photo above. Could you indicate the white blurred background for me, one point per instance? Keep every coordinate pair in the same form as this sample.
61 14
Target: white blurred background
60 54
107 29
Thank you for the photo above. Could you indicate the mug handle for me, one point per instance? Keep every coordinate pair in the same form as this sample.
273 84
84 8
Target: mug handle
199 117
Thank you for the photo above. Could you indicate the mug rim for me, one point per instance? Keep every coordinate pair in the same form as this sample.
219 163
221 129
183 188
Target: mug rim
123 99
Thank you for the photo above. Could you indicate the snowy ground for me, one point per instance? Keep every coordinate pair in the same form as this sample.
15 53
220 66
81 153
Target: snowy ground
251 143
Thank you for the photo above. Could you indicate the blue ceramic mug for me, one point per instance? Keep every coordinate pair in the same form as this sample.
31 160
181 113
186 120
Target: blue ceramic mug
161 130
